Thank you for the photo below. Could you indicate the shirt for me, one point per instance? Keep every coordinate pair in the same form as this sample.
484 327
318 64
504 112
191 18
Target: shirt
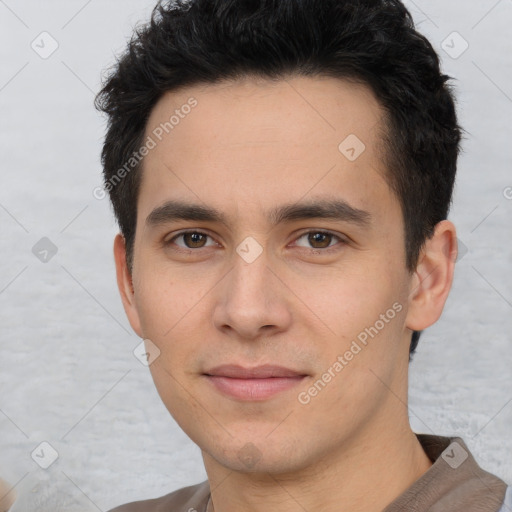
454 483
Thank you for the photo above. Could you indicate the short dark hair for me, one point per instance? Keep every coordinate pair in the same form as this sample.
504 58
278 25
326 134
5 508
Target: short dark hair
373 42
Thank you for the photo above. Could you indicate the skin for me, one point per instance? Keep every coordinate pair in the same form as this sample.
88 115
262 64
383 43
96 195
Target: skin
7 496
247 147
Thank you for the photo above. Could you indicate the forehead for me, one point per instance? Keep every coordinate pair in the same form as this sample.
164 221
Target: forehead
263 111
260 142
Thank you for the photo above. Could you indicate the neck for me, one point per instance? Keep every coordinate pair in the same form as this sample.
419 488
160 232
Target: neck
367 478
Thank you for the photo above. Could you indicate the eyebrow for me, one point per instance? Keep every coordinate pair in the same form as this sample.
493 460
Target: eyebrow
336 209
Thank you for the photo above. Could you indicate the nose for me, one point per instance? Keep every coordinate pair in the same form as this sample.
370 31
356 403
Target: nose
252 301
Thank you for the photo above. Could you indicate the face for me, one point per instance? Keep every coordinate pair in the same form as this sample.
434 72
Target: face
267 237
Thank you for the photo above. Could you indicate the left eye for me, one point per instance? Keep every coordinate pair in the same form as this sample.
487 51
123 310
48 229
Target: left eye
318 239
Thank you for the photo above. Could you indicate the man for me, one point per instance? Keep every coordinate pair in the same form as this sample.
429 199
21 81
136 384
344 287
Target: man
282 173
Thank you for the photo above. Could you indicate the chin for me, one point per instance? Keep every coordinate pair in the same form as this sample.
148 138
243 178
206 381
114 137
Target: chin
255 455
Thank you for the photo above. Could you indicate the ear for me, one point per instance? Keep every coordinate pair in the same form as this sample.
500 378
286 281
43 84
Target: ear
125 284
433 277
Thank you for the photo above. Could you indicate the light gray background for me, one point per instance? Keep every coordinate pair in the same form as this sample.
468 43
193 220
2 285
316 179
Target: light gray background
67 372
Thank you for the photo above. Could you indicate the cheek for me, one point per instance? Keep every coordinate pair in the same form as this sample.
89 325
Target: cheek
359 359
174 316
177 393
365 313
162 301
354 298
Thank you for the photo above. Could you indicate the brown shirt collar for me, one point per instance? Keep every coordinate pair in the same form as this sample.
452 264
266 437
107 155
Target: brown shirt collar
455 482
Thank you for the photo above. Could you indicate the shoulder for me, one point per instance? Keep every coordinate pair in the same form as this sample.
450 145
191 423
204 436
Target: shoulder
454 482
187 499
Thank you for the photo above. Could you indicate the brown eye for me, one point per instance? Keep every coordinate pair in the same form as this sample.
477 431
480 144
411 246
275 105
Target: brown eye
194 240
191 240
319 240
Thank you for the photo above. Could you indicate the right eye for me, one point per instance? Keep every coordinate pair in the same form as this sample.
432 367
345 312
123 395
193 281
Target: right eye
190 240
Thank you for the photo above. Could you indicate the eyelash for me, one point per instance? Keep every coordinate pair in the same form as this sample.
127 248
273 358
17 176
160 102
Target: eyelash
325 250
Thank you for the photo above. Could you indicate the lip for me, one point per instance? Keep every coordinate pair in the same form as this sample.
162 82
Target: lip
253 384
257 372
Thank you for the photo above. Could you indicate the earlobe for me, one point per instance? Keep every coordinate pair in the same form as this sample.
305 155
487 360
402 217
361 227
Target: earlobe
433 277
125 284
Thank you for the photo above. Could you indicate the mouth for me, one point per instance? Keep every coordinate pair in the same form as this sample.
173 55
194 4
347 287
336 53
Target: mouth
253 384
